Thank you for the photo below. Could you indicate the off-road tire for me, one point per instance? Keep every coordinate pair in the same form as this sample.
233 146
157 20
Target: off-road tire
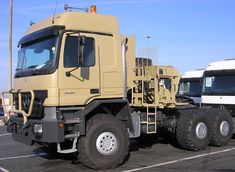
217 138
186 129
88 153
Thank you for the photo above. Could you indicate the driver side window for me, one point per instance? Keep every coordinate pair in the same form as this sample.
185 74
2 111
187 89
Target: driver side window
71 52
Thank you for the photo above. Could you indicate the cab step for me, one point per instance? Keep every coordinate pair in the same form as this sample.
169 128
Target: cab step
74 147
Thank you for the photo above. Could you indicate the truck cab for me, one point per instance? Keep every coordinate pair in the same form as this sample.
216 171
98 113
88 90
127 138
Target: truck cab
49 59
191 84
219 85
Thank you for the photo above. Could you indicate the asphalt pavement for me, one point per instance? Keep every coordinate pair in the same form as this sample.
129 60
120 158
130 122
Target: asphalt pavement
160 155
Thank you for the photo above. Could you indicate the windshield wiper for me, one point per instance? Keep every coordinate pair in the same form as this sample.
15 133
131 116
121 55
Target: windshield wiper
18 69
31 67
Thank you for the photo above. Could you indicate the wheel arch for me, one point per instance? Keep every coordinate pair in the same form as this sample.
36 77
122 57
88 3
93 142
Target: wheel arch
116 107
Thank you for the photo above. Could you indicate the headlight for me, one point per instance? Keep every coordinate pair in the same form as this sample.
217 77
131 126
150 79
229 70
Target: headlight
37 128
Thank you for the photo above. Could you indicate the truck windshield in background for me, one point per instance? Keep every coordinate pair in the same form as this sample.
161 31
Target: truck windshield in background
219 85
38 56
190 87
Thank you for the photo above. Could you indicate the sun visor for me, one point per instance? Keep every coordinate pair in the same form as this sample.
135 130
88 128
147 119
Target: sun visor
50 31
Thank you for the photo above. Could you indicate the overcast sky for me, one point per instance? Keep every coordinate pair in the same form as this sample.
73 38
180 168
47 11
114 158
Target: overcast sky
188 34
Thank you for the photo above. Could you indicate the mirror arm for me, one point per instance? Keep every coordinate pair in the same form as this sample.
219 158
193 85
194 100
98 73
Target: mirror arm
68 73
81 60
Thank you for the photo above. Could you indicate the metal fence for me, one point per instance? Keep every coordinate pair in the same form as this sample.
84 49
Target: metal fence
149 53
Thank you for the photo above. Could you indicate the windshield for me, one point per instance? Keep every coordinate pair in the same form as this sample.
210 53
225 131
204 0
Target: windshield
190 88
221 84
37 55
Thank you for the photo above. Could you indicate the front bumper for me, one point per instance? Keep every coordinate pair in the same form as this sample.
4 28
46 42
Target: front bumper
51 132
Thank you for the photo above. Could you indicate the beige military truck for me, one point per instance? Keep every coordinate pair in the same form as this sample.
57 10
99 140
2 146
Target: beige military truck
78 84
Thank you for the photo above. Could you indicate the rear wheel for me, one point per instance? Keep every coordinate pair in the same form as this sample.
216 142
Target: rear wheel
106 143
193 130
222 128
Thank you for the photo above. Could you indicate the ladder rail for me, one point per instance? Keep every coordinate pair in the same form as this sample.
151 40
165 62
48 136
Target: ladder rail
150 123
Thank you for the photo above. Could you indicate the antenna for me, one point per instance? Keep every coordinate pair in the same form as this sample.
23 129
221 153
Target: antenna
53 18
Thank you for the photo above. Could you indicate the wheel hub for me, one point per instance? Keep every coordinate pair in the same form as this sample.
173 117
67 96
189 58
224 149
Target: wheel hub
224 128
201 130
106 143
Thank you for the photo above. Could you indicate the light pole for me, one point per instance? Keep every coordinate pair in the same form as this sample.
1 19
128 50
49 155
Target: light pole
148 37
10 45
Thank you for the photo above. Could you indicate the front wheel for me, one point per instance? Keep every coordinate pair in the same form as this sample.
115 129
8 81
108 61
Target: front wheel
106 143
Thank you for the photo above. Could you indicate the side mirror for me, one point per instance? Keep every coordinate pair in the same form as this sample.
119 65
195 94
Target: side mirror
80 54
81 45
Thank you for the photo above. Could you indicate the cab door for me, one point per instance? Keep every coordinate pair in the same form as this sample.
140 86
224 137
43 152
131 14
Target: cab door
79 82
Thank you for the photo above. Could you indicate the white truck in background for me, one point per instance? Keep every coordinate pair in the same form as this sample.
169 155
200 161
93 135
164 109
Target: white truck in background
219 86
191 84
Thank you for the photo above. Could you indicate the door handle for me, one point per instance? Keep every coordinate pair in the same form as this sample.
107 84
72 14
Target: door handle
94 91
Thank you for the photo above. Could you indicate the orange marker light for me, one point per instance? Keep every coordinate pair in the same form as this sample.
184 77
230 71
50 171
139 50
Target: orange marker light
61 125
93 9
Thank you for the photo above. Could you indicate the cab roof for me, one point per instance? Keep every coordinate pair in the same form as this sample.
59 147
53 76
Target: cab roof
81 21
193 74
227 64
